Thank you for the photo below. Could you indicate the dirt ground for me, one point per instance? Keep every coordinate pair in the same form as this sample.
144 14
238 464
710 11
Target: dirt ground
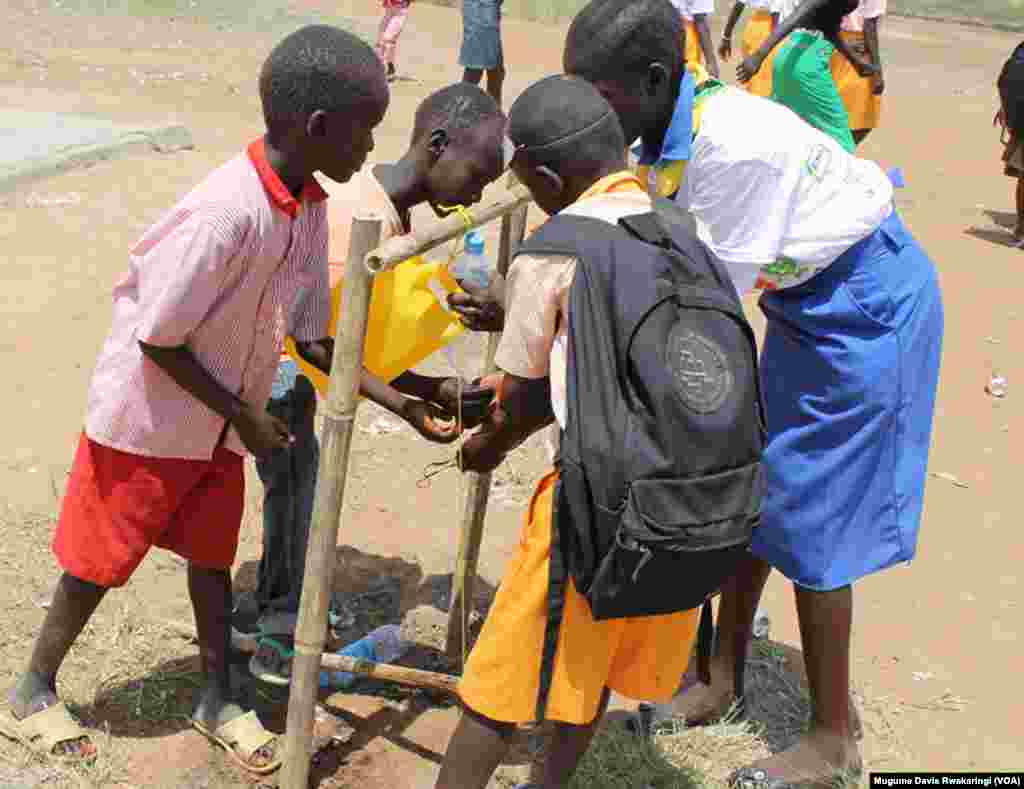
937 645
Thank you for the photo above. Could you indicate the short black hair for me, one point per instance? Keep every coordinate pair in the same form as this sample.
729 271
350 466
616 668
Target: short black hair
564 123
609 38
456 109
319 67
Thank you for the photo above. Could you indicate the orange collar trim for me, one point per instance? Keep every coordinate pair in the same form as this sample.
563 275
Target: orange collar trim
312 192
616 182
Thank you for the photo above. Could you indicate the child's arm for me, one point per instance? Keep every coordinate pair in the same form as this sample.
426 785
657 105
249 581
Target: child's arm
260 432
700 22
804 13
874 51
725 48
425 417
524 407
863 67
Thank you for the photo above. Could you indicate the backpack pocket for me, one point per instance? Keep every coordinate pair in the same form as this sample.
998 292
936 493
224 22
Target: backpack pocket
677 542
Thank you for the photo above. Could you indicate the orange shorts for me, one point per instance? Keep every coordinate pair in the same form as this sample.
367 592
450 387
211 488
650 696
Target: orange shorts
118 505
641 658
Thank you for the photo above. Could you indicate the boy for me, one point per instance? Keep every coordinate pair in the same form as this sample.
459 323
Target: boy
849 365
481 45
763 19
569 151
396 12
180 388
801 71
455 151
699 50
862 94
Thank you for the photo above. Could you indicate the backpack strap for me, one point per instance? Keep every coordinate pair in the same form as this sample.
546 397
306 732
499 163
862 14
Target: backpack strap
557 588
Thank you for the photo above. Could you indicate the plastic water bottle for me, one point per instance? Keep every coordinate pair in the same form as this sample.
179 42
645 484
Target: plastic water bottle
472 266
382 645
997 386
762 624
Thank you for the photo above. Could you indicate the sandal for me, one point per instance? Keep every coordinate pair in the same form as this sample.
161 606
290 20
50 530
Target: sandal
279 671
242 738
757 778
43 731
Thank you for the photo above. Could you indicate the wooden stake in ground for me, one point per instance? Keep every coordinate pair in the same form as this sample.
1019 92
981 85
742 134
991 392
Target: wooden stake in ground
336 440
478 486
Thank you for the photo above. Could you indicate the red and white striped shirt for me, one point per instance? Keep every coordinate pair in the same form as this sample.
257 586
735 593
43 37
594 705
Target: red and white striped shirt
229 271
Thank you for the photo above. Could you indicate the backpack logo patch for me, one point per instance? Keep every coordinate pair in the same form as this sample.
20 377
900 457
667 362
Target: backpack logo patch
699 370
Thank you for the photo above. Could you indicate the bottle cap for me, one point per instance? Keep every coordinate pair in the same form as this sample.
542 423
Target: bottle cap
474 243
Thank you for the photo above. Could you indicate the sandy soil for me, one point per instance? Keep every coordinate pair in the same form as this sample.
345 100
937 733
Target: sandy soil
937 644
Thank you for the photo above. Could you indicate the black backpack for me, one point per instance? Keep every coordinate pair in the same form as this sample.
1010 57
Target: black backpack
660 460
1011 90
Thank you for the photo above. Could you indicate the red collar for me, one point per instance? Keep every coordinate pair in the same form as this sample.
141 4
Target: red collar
312 192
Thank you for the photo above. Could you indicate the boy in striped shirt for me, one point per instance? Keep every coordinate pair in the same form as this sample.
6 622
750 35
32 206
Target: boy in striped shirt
179 393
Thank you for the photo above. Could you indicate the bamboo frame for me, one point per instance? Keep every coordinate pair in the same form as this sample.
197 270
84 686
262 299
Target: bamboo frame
400 248
478 487
365 259
339 421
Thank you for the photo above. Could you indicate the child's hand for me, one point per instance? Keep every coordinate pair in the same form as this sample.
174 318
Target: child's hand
866 69
725 48
427 419
475 401
747 68
261 432
480 309
482 453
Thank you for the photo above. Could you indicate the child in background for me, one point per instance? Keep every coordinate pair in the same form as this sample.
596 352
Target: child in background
396 12
179 393
764 17
482 49
1010 118
862 94
801 73
699 49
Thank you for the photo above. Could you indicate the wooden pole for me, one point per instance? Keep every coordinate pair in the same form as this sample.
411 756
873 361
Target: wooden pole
400 248
400 674
339 421
478 486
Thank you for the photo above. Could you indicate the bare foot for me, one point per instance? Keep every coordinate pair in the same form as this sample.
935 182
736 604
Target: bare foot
31 695
696 703
819 759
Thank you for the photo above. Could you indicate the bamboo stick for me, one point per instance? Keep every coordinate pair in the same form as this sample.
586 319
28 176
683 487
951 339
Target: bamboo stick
336 441
400 674
400 248
478 487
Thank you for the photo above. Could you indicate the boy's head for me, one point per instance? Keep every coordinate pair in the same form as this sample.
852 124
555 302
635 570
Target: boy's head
323 91
632 51
566 137
457 141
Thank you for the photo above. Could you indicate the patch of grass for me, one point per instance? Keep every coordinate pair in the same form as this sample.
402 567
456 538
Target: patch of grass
618 759
156 697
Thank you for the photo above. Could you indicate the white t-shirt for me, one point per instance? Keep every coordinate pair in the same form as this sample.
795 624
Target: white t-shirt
866 9
775 198
688 8
784 7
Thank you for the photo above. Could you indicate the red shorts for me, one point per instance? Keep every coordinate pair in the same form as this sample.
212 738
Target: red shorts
118 505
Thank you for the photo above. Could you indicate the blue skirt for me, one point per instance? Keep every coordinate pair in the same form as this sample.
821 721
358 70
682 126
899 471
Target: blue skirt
481 35
850 368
